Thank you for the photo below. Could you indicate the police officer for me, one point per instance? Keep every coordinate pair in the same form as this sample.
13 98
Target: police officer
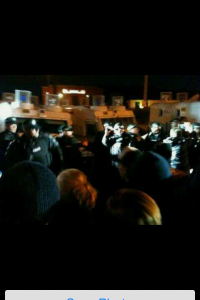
178 124
179 147
116 142
60 130
100 150
6 137
136 139
175 123
155 136
34 146
72 157
196 131
194 146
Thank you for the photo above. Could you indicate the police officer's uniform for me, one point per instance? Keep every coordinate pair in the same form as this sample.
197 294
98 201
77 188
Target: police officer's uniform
6 137
134 141
72 157
194 147
117 143
154 138
44 149
179 159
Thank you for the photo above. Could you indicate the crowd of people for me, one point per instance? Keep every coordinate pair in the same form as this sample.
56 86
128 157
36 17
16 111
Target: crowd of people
150 179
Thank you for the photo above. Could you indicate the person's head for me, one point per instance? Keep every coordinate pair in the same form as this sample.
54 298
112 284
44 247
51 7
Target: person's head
127 159
11 125
60 130
164 150
131 207
156 127
149 173
176 133
118 129
175 123
133 128
27 190
31 129
196 128
68 131
73 183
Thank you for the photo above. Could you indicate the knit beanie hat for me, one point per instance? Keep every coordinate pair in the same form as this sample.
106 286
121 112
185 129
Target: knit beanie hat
150 170
27 191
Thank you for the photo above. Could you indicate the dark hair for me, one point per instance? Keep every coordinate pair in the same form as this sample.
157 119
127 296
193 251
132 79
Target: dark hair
129 156
164 150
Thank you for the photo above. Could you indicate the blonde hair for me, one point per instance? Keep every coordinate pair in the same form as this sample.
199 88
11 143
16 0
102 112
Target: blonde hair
73 182
134 207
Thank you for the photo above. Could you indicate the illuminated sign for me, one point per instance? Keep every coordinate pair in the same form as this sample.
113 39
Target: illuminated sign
82 92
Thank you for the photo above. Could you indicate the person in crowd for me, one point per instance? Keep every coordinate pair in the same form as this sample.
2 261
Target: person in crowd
116 142
129 207
180 155
151 174
34 146
175 123
136 140
196 131
27 191
6 137
194 146
60 131
100 134
155 136
163 149
127 159
78 200
73 182
72 157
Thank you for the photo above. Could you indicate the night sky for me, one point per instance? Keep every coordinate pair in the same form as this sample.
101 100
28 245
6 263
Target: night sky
126 83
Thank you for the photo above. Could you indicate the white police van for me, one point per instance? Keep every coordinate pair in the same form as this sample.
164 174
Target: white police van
164 113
